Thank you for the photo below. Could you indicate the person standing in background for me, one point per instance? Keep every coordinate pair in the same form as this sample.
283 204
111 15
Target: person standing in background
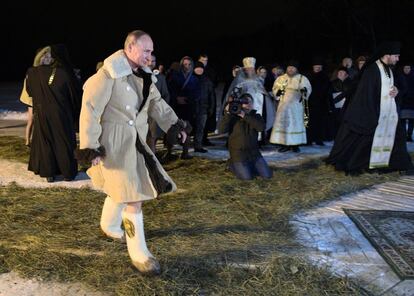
43 57
56 94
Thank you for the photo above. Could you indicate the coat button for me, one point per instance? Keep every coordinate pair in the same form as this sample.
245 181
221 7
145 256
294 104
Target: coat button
127 107
131 122
128 88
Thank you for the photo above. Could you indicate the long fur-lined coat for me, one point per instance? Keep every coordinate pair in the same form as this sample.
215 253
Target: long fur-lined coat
109 117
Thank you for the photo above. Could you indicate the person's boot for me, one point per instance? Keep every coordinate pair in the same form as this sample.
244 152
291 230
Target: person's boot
295 149
140 256
283 149
111 219
168 156
185 154
207 142
200 150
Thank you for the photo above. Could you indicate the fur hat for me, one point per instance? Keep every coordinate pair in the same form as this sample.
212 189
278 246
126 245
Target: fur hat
40 53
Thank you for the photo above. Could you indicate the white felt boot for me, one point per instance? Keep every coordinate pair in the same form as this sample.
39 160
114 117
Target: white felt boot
111 219
141 257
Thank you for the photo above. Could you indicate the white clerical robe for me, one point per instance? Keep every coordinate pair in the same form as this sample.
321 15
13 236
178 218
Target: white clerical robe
384 136
288 128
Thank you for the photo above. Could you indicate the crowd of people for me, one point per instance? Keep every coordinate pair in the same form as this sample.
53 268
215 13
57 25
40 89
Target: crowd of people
131 102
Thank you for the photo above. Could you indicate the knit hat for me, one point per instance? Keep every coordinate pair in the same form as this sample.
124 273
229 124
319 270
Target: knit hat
345 69
198 65
317 60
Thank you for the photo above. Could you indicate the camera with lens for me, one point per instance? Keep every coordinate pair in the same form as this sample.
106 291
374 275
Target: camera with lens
236 92
236 106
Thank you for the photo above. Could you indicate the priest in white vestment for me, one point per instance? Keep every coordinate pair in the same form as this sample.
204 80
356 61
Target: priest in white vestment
291 89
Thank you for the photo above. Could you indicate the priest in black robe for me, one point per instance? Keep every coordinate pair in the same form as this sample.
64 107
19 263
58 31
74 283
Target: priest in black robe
318 103
371 137
56 94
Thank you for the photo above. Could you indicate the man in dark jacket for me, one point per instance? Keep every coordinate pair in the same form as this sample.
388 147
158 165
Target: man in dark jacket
154 131
184 89
204 105
341 91
407 100
246 161
211 122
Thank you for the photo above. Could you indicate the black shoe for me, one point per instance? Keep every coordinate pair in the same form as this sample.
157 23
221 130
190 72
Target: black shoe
50 179
296 149
207 143
409 172
409 139
168 157
68 179
283 149
186 156
200 150
319 143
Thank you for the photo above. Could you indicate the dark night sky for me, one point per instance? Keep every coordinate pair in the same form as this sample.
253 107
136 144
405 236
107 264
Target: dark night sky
271 30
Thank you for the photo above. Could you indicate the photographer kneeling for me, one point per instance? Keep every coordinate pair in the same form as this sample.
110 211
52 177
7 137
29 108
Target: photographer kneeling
243 125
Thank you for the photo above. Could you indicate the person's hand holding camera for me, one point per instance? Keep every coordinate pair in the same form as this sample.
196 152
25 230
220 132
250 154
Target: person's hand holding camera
241 114
226 108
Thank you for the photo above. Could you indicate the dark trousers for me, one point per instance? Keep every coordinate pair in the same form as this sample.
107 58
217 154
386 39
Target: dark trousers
246 170
200 122
408 130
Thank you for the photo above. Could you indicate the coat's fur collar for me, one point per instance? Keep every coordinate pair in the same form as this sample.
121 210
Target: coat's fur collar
117 66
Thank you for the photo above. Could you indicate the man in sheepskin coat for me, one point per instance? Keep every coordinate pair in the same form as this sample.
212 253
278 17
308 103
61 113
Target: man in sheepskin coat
116 103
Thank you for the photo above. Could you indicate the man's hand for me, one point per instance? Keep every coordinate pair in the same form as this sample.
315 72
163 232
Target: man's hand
182 136
393 91
280 92
96 160
241 114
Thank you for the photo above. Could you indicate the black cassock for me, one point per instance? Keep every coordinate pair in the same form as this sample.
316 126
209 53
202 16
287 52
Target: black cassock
318 103
56 107
352 147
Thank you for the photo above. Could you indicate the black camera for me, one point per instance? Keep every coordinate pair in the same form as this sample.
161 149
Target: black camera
236 92
235 106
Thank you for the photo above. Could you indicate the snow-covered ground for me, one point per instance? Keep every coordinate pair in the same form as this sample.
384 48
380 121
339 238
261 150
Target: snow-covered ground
12 115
